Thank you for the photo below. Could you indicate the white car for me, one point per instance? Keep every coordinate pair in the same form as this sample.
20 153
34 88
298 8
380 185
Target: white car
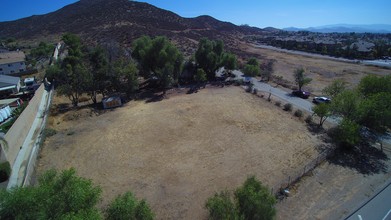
321 99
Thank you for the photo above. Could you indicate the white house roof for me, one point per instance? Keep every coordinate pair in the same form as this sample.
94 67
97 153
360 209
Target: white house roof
9 80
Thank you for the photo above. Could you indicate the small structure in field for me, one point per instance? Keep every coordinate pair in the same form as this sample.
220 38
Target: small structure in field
112 102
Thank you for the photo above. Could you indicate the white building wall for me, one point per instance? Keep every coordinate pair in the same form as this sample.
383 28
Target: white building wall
10 68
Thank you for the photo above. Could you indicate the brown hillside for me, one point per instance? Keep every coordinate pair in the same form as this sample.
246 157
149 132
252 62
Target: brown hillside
123 21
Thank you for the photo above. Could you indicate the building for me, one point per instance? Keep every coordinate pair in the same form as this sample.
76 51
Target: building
12 62
9 85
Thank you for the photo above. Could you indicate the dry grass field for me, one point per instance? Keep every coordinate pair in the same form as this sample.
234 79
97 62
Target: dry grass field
177 152
322 71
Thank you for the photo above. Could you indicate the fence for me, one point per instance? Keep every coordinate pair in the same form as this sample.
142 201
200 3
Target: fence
296 175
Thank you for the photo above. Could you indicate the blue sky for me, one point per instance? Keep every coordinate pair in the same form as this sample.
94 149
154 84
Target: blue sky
259 13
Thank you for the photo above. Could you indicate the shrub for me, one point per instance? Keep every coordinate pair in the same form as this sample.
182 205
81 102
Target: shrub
48 132
5 171
221 206
308 119
278 103
288 107
298 113
255 200
251 201
127 207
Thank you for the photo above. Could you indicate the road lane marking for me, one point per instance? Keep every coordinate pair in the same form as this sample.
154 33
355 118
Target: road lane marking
385 217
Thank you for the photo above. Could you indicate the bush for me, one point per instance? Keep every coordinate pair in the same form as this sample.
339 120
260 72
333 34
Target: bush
5 171
288 107
127 207
48 132
255 200
278 103
221 206
298 113
308 119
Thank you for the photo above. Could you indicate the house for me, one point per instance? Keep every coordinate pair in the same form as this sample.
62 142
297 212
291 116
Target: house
12 62
9 85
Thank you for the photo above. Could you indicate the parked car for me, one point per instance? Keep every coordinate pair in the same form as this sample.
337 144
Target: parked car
301 94
321 99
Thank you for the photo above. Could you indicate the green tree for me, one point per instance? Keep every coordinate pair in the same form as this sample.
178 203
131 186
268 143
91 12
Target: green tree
252 67
98 64
322 111
57 196
128 207
71 76
346 104
267 70
251 70
221 207
251 201
372 84
209 55
200 76
158 58
43 50
229 61
124 77
255 200
300 78
348 133
335 88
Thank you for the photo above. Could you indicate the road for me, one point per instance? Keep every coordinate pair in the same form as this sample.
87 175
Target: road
281 94
379 207
380 63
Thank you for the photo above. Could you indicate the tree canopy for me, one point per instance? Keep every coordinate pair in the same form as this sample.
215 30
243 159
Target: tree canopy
368 105
252 67
159 59
65 195
251 201
210 56
300 78
57 196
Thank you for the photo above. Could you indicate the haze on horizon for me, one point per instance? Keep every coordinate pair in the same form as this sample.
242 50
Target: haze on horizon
258 13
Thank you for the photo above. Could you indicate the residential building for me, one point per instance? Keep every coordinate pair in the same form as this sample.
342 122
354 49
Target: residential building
12 62
9 85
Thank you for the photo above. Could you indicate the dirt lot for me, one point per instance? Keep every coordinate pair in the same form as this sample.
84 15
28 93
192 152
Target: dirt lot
334 191
177 152
322 71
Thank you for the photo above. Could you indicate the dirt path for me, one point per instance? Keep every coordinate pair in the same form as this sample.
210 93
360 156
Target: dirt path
178 152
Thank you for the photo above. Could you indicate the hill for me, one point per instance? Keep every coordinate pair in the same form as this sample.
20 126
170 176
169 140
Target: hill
346 28
122 21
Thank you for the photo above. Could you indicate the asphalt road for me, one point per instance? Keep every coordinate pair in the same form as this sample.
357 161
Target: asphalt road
283 95
377 208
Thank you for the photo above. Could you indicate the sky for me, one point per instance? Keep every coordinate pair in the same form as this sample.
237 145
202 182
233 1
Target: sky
258 13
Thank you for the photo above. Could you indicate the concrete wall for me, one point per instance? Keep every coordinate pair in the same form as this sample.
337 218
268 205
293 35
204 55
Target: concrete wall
11 68
17 134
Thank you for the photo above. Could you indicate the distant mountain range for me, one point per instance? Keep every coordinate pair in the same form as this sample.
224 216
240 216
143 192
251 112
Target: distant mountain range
346 28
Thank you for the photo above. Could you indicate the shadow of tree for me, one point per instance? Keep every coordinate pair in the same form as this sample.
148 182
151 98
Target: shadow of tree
363 158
